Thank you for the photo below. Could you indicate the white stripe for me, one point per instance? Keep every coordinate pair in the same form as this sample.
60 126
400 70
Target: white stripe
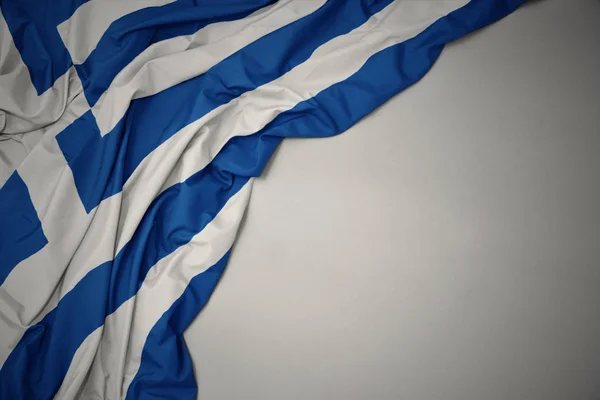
79 369
120 343
200 141
79 242
334 63
152 71
82 32
21 109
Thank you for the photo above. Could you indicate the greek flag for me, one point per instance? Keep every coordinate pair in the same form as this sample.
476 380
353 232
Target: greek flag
149 121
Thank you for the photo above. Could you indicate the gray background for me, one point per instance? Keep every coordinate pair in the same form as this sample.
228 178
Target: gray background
446 247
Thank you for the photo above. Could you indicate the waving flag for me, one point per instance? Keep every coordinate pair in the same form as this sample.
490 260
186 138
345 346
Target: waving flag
154 117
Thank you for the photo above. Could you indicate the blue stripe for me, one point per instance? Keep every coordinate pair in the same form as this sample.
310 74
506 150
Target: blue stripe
131 34
165 361
165 347
21 233
32 24
39 362
152 120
